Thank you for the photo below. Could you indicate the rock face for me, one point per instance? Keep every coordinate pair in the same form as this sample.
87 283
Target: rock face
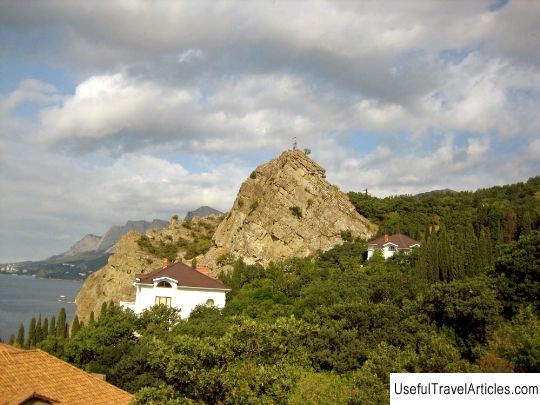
286 208
113 235
87 244
114 281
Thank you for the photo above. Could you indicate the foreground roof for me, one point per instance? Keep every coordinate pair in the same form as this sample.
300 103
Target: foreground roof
185 276
399 240
27 374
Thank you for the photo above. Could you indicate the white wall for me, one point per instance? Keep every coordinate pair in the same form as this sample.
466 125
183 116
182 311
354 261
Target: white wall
185 299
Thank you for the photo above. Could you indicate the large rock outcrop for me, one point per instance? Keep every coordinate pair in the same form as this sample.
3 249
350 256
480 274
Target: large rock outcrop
114 282
286 208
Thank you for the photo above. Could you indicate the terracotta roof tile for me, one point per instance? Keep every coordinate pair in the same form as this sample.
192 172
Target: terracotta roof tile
25 373
185 275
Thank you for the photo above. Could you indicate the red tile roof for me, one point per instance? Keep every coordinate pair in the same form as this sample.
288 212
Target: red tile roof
26 374
400 240
185 275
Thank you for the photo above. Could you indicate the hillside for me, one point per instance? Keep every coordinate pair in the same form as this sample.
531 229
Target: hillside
136 254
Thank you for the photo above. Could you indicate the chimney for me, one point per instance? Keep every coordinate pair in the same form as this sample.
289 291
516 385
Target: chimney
203 269
165 263
385 238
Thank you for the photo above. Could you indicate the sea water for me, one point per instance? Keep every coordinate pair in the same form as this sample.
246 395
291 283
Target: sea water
23 297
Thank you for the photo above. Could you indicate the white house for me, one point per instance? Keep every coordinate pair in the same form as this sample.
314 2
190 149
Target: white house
177 285
390 244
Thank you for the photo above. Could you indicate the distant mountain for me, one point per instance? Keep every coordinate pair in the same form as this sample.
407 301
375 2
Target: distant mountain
115 232
87 244
202 212
85 256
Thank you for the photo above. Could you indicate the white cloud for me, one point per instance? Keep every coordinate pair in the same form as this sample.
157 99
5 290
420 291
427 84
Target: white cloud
402 98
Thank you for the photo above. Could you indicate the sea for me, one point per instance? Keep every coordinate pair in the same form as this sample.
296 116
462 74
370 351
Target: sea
24 297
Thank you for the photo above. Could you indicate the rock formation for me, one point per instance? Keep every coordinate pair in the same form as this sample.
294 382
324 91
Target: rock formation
202 212
114 282
286 208
87 244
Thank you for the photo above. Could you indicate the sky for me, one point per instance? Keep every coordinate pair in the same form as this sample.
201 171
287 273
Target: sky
125 109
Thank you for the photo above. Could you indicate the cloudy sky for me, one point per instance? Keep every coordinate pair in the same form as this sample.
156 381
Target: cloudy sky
125 109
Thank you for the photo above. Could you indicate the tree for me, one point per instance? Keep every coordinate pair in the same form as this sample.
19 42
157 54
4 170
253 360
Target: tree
91 320
517 270
39 331
52 326
61 323
20 336
45 329
463 310
11 339
75 326
31 333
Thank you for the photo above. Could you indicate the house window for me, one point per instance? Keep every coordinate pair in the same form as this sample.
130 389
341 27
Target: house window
164 284
163 301
210 302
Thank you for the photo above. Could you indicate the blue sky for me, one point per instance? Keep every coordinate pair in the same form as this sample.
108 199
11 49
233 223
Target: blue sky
118 110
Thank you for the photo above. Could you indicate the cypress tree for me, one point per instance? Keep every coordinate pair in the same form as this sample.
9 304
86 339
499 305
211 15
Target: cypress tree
91 320
525 226
45 329
103 311
52 326
31 341
470 244
75 326
39 332
61 323
20 336
11 339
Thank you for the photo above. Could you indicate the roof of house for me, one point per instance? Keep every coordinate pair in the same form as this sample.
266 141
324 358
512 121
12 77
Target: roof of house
399 240
184 275
35 374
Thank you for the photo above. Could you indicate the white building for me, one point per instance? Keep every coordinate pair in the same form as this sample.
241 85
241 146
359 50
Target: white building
389 245
177 285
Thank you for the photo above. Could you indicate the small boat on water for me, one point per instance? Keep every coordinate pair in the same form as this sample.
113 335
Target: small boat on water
62 296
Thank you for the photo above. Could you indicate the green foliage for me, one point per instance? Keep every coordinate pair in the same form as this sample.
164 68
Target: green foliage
464 310
61 323
253 175
253 206
330 329
20 336
517 270
518 341
75 326
296 211
31 333
45 329
346 236
52 326
170 250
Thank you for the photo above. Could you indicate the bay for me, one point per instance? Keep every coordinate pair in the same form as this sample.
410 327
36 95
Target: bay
23 297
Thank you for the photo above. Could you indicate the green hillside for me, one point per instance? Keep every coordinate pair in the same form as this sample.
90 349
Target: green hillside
330 329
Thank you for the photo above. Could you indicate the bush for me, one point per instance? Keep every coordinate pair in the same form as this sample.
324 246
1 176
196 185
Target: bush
296 211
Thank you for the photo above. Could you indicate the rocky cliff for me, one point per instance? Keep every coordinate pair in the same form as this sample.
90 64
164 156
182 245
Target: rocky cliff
286 208
135 254
87 244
